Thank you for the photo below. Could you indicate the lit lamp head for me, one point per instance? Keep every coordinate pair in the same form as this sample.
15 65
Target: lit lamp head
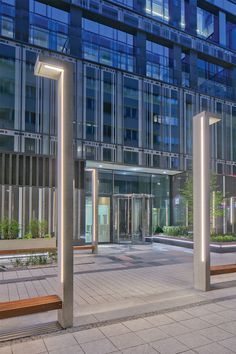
46 68
213 118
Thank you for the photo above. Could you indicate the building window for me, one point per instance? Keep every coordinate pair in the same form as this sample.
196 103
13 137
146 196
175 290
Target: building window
214 79
131 135
185 63
131 157
49 27
205 23
158 8
131 108
7 86
107 45
107 154
159 64
6 143
7 18
231 35
30 145
90 153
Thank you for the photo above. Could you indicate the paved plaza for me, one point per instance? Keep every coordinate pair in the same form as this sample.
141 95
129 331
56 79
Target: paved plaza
130 299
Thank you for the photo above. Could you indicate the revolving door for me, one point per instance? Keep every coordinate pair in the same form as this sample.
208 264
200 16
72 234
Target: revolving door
132 217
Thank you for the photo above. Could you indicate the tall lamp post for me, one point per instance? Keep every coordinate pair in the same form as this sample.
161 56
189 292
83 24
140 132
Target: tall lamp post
62 72
201 198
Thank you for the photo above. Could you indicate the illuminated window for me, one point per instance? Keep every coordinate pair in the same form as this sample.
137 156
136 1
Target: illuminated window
158 8
205 23
107 45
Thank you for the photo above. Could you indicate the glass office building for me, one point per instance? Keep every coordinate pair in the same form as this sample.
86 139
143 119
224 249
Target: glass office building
142 69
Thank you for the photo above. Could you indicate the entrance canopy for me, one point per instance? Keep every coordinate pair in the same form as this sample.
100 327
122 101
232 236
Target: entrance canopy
128 168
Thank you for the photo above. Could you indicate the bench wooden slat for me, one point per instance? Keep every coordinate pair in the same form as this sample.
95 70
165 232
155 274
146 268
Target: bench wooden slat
29 306
223 269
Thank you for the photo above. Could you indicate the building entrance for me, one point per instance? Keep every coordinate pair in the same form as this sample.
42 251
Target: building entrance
132 217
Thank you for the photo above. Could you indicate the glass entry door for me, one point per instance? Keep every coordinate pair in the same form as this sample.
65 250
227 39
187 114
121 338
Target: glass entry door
132 217
103 219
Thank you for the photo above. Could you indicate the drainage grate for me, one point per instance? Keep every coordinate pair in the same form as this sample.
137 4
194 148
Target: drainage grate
36 330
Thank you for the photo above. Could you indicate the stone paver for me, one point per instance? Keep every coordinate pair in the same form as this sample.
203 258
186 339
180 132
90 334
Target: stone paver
101 346
126 340
169 346
35 347
114 329
213 348
60 341
193 340
88 335
135 325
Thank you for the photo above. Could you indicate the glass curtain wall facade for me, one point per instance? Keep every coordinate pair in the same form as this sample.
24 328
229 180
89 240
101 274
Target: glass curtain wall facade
142 69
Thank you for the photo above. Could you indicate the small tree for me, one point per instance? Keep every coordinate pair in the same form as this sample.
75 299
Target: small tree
216 199
9 229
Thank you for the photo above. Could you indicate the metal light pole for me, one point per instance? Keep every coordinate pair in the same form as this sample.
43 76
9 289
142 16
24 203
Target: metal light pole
201 198
62 72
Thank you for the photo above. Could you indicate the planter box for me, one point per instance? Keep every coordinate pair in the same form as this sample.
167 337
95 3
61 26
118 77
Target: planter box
27 244
217 247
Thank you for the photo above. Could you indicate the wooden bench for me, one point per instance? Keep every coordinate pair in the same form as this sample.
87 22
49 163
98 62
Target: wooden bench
43 250
223 269
84 247
27 250
29 306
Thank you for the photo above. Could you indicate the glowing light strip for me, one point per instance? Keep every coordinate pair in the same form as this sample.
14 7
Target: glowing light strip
54 68
94 204
203 186
213 209
231 210
62 171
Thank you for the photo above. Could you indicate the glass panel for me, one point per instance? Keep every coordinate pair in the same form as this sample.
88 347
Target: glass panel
89 220
7 86
205 23
104 219
137 219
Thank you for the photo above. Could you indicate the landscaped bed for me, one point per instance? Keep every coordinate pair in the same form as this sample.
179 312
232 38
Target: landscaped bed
183 233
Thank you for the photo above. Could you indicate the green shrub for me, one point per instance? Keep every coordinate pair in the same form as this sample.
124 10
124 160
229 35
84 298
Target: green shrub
32 261
223 238
28 236
18 262
37 228
9 229
158 229
48 236
175 230
34 228
53 256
